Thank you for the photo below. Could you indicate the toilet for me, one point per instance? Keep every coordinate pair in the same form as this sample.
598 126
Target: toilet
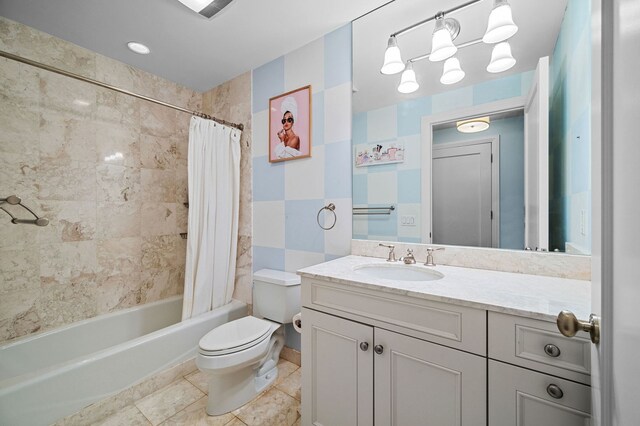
240 357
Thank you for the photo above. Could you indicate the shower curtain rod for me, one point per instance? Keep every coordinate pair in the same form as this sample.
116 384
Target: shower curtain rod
116 89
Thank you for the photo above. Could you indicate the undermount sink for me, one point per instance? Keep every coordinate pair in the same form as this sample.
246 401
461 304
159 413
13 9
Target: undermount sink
399 272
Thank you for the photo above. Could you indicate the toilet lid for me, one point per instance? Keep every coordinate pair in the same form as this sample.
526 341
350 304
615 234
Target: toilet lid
236 333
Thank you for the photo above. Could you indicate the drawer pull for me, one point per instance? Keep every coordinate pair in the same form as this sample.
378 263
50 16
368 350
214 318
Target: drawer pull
554 391
552 350
364 346
378 349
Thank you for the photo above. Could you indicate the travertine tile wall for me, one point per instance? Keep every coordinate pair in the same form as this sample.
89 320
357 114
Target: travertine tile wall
108 170
232 102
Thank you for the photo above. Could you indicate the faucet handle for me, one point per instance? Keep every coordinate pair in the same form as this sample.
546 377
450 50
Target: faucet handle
430 251
392 253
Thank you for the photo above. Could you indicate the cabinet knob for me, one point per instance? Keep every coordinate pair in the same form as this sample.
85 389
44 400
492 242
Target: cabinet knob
378 349
364 346
554 391
552 350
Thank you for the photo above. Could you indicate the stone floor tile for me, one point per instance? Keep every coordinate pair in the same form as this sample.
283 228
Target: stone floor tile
166 402
274 408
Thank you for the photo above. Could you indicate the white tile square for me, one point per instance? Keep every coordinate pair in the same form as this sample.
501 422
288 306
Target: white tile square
382 124
412 153
360 225
260 136
304 178
382 188
337 113
268 224
305 66
337 241
296 259
409 210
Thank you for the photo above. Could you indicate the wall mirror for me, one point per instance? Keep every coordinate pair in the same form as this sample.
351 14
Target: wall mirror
467 156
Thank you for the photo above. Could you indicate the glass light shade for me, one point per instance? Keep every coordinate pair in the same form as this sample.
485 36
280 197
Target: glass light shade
392 60
452 72
500 26
442 46
473 125
408 82
501 58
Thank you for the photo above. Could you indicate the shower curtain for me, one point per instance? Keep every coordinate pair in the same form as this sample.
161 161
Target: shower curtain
214 199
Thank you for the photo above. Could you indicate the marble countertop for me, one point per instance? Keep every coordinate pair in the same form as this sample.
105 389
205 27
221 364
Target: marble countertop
532 296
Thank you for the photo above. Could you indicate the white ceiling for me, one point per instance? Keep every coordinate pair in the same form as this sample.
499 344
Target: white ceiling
187 48
538 26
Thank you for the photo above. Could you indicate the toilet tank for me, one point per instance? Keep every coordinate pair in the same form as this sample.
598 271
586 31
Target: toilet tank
276 295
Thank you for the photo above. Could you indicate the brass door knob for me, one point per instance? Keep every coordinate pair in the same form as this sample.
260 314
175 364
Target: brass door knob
569 325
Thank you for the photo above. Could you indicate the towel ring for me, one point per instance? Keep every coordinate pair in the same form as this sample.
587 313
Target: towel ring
332 208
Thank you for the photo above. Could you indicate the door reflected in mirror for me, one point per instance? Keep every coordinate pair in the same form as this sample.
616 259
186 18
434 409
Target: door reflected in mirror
523 180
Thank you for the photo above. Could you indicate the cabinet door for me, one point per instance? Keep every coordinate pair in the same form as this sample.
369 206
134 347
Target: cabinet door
337 378
421 383
527 398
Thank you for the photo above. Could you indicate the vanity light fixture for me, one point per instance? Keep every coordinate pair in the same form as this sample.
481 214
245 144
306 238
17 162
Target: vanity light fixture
501 58
444 33
408 82
473 125
500 26
452 73
138 48
392 59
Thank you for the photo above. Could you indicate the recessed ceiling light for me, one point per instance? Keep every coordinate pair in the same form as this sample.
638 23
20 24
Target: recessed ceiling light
139 48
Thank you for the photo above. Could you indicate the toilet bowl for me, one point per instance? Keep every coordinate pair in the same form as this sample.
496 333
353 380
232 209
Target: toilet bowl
240 358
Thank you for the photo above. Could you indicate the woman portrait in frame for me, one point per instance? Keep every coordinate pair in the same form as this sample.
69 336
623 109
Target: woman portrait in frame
290 125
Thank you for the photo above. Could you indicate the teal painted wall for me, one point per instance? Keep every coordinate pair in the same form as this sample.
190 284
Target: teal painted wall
570 131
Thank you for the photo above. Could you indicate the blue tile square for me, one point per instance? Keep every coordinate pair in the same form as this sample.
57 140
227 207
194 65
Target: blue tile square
268 180
410 113
414 240
359 128
337 170
302 231
317 119
330 257
267 82
268 257
409 186
383 168
292 337
360 189
384 225
494 90
337 57
452 100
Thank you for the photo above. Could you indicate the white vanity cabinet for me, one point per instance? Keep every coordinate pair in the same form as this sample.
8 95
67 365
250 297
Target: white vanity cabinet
359 370
375 356
536 375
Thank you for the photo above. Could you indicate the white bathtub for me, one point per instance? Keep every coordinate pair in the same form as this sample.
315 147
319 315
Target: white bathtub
51 375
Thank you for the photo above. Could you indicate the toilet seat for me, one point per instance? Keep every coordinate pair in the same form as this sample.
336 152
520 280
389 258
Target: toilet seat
236 336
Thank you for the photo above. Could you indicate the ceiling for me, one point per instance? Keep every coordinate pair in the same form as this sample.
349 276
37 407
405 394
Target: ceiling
185 47
538 27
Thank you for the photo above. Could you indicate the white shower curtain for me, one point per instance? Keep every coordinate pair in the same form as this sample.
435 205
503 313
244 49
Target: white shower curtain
214 199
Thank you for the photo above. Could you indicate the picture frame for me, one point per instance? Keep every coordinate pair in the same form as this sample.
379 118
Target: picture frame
290 125
378 154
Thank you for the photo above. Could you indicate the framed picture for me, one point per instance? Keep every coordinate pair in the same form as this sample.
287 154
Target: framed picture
290 125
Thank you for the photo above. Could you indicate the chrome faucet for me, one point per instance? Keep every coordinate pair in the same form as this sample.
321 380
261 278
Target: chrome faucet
408 258
430 251
392 253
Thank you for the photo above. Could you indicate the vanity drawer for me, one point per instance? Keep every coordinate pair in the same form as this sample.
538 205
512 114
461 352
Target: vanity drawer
539 345
455 326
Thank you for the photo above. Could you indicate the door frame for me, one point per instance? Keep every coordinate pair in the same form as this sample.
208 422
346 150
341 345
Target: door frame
494 140
426 142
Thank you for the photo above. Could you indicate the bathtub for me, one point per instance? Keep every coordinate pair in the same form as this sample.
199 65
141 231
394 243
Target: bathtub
56 373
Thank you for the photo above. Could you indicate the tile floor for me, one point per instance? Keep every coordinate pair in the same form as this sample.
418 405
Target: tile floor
183 402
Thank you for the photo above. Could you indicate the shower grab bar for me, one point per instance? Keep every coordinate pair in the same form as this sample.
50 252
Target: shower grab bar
373 210
14 200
